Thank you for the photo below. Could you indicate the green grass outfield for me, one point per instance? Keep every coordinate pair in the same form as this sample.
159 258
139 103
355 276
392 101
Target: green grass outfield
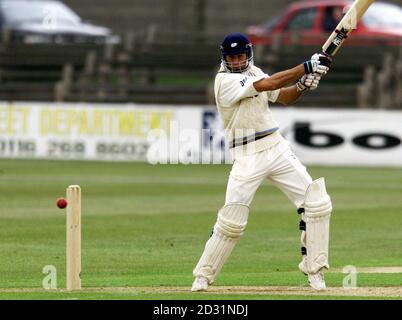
144 228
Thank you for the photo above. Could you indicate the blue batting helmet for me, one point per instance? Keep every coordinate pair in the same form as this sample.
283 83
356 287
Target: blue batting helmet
233 44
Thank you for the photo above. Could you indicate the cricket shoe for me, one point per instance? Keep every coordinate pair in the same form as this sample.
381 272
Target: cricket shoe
200 284
315 280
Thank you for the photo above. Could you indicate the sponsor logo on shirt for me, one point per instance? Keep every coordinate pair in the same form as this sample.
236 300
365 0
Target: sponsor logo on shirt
243 82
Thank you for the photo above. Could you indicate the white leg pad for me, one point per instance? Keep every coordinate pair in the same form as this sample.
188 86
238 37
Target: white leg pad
230 225
318 209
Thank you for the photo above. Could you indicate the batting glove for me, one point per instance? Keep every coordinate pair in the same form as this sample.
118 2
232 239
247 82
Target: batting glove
319 63
308 82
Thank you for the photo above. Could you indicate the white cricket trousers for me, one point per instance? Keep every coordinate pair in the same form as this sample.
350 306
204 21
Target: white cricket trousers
278 164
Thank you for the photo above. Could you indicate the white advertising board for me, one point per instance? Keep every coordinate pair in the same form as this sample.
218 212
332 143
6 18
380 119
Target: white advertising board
190 134
86 131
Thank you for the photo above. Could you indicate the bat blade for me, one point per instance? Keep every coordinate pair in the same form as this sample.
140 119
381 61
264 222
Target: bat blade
345 26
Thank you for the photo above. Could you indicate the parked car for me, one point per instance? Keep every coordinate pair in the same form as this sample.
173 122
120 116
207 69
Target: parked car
313 21
48 21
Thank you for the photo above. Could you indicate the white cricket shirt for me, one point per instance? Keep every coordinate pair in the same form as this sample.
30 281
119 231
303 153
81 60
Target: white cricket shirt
245 113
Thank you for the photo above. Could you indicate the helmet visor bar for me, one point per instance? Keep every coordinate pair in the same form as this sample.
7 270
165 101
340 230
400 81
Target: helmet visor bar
237 65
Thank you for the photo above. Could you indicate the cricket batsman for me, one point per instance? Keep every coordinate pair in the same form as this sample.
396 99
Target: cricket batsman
242 93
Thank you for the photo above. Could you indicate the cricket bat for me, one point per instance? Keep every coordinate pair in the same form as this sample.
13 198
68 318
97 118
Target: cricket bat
345 26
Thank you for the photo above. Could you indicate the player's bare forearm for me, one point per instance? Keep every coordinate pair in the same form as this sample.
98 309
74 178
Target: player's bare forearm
289 95
280 79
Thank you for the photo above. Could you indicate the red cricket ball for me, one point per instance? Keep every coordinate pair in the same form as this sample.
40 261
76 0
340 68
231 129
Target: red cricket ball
61 203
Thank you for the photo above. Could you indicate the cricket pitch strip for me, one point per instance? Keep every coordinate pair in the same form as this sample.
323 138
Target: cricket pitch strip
384 292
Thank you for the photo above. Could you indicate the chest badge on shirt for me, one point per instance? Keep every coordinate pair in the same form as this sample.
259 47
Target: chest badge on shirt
243 82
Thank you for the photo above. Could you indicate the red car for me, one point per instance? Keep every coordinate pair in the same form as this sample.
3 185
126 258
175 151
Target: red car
311 22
